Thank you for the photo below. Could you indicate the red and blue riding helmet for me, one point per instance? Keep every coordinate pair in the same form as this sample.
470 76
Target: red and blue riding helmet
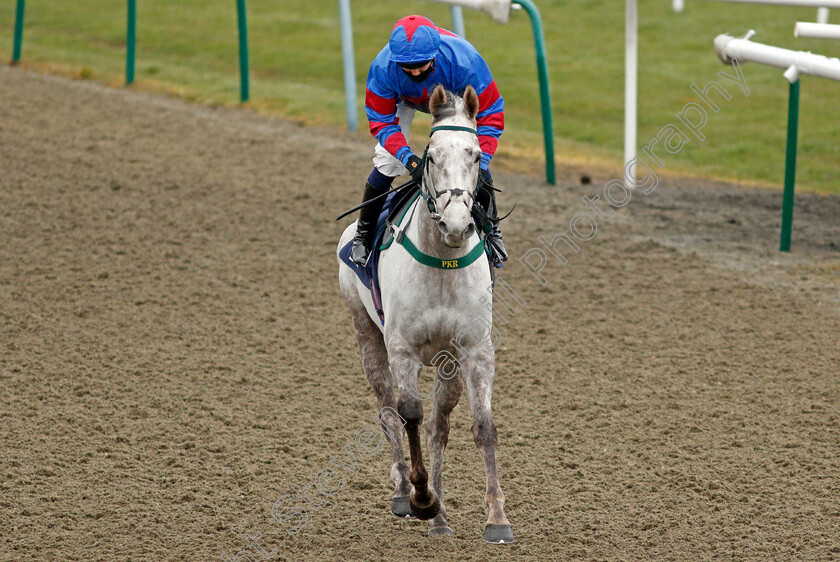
414 39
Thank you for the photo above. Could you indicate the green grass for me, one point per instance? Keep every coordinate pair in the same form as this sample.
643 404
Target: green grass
190 48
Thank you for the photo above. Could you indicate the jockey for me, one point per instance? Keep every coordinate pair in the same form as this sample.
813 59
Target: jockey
418 57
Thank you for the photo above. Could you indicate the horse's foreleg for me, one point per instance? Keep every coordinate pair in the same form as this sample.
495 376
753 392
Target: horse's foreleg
478 375
404 369
437 436
375 364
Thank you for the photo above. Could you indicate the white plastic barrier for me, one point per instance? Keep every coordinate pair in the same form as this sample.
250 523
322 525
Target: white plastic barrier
816 30
728 48
801 3
631 71
822 7
499 10
822 15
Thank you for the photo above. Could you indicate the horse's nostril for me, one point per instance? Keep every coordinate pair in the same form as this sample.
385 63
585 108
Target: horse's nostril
469 231
442 226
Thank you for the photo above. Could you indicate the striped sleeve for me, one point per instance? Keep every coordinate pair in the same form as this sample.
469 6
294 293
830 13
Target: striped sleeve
490 121
381 110
491 106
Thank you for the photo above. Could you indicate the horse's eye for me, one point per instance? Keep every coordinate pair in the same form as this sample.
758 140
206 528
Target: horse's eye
431 160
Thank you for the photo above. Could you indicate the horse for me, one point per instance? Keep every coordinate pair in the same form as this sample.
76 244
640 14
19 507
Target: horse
431 314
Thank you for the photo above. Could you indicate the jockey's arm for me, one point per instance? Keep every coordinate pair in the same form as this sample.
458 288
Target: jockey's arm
491 109
491 122
381 110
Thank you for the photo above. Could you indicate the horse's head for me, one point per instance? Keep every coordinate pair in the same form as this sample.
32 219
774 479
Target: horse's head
452 162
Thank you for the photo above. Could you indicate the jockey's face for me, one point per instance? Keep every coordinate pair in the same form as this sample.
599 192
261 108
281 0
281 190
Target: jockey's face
420 73
417 71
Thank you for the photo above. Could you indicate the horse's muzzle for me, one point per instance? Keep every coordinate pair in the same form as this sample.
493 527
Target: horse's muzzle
455 239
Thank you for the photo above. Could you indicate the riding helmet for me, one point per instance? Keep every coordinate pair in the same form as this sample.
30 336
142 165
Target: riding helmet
414 39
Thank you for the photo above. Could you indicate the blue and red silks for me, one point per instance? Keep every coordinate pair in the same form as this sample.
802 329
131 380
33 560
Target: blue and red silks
457 65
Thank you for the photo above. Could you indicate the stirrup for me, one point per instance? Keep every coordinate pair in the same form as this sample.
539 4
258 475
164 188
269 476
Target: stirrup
359 253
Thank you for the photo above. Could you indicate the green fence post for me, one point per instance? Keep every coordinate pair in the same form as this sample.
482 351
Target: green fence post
243 51
790 165
18 30
545 95
130 41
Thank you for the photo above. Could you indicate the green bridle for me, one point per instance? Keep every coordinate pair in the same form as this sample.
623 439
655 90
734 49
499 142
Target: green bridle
429 195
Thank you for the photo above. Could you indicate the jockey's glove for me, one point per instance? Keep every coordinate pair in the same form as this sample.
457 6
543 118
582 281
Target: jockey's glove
415 168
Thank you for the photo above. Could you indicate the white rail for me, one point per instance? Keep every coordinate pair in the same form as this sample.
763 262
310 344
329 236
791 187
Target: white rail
631 66
499 10
801 3
822 15
816 30
796 62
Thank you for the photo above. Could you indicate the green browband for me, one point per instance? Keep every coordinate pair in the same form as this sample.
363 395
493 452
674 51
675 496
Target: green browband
453 128
438 263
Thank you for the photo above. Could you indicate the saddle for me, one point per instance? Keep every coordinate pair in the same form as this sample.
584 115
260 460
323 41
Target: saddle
393 211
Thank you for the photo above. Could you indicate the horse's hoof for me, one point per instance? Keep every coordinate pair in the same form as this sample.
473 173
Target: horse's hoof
427 512
498 534
401 507
439 531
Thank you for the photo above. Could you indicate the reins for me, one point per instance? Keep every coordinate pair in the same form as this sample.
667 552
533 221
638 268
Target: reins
429 194
410 183
370 201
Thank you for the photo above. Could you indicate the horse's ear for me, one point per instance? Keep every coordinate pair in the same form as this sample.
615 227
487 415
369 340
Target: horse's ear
471 101
437 100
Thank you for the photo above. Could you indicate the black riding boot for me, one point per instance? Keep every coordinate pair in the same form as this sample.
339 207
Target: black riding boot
486 198
366 225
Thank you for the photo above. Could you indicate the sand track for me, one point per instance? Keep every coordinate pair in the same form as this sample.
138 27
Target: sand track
175 354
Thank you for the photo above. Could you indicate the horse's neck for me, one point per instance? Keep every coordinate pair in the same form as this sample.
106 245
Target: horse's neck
422 227
425 234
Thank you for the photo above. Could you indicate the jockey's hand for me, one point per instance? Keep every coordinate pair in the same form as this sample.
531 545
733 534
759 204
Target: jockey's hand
415 168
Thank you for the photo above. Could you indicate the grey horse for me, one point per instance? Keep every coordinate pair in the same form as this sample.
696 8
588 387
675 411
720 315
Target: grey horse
435 315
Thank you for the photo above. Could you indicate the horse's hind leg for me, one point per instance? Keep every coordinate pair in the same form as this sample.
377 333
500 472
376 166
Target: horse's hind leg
478 373
437 436
375 364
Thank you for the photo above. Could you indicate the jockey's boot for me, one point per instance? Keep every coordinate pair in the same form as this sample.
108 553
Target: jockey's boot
366 225
494 237
486 197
